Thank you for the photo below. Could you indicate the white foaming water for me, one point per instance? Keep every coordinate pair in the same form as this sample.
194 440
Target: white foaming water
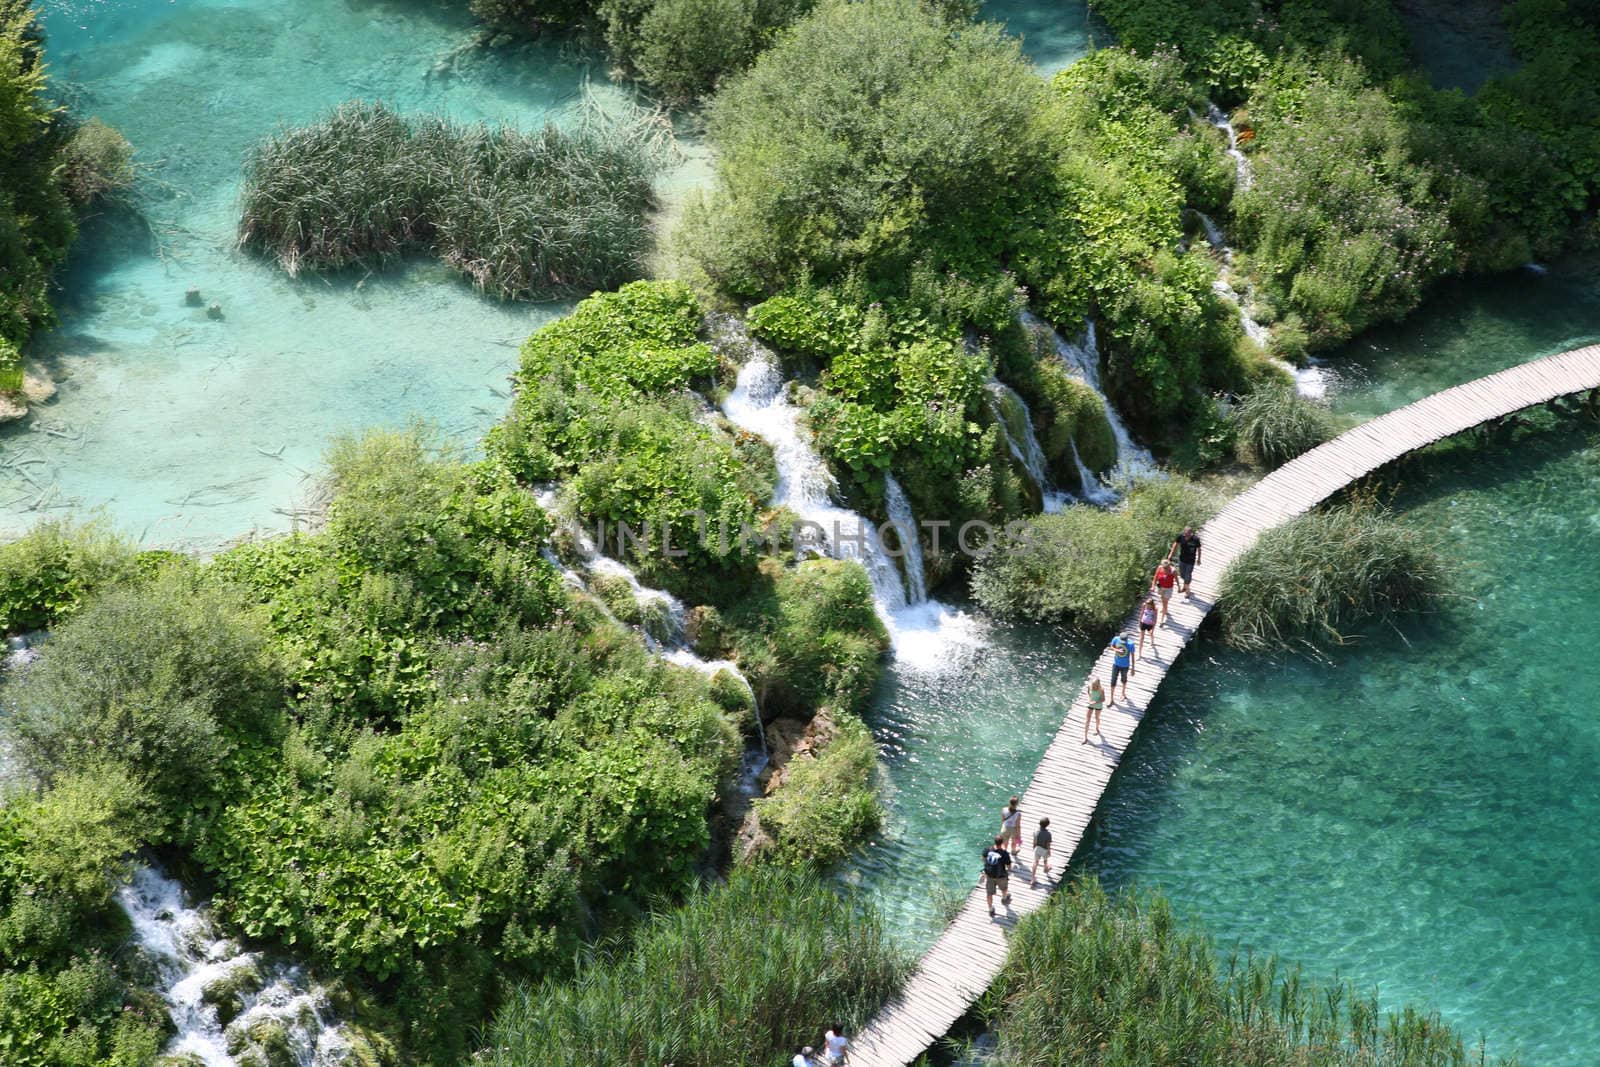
924 634
1024 443
1242 174
1133 460
1310 381
191 958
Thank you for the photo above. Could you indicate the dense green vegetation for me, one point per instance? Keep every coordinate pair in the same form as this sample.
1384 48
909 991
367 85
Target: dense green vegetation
1120 980
523 215
1317 576
1086 566
1273 424
737 976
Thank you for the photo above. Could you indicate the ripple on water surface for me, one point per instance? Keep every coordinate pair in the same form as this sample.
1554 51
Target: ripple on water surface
190 430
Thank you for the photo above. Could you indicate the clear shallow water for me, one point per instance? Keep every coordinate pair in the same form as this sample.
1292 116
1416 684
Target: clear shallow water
190 431
1054 35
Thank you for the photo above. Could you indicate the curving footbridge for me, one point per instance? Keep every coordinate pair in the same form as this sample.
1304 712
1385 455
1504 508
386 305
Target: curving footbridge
1072 776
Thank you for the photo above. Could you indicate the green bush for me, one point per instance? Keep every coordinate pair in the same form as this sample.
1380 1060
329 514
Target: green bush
98 162
825 806
523 215
1120 981
868 133
1274 424
1316 576
170 680
732 979
1086 566
47 574
640 340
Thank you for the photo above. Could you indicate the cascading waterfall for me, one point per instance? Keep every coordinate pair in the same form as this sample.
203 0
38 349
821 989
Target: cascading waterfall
1242 175
1309 381
924 633
1016 423
1133 461
200 971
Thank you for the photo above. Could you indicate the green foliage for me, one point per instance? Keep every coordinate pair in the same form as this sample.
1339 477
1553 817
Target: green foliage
1086 566
868 133
523 215
728 980
825 806
601 402
46 574
1120 981
65 990
1274 424
1316 576
36 219
685 46
11 371
1343 226
97 161
168 680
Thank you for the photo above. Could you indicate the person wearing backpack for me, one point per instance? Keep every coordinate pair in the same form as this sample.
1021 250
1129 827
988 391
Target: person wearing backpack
997 873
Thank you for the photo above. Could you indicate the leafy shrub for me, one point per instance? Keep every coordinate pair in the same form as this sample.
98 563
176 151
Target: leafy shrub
1086 566
825 806
1120 980
46 574
1314 577
730 978
170 680
639 340
523 215
36 218
1274 424
866 134
98 162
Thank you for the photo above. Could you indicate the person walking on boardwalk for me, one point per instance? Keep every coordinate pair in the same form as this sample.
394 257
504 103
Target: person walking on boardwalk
835 1046
997 873
1041 851
1011 826
802 1057
1121 664
1097 703
1166 577
1147 624
1187 546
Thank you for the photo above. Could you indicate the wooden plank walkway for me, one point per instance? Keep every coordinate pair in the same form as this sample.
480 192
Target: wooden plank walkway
1072 776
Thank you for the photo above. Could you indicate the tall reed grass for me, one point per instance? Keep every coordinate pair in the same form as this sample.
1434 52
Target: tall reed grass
1119 981
734 978
1275 424
525 215
1315 577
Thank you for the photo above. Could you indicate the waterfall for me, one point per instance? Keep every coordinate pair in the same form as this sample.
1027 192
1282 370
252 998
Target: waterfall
1242 174
1023 442
923 632
192 962
1310 381
1133 461
905 524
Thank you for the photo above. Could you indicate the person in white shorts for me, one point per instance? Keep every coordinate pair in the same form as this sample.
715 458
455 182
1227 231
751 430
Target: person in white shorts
1011 827
1041 850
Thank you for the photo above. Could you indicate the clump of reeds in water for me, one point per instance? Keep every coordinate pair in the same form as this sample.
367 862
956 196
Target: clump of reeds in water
1315 577
558 210
1275 424
1118 981
734 977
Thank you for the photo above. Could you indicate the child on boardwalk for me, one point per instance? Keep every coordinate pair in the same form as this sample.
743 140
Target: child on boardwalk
997 873
1097 702
1121 664
1041 851
1011 826
1147 624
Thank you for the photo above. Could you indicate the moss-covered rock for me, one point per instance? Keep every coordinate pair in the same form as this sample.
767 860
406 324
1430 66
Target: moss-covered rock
226 994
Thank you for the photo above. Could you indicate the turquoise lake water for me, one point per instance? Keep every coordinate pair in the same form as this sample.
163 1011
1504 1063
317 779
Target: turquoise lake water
1417 812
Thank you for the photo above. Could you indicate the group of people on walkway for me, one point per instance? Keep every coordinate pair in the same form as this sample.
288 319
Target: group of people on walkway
998 858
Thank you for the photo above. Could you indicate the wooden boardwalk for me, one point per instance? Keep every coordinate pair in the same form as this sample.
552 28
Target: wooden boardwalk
1072 776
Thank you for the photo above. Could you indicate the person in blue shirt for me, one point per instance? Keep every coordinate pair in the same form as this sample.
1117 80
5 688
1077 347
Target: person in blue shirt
1122 647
